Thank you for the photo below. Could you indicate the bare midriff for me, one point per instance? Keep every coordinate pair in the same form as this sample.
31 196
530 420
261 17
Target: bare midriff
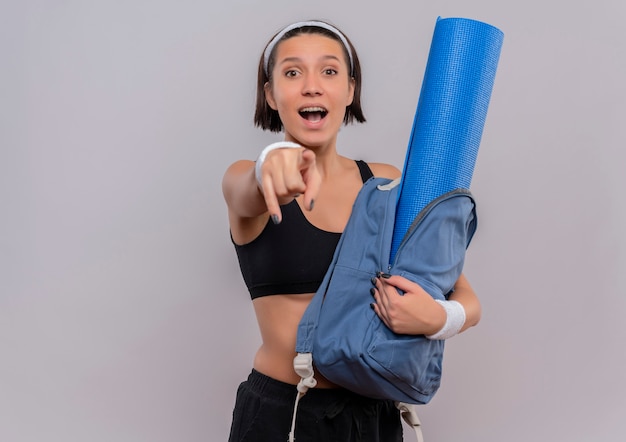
278 317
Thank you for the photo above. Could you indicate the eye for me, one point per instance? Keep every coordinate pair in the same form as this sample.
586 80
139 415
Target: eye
330 71
291 73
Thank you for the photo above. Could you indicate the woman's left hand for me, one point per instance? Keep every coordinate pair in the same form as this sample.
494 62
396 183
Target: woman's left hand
405 307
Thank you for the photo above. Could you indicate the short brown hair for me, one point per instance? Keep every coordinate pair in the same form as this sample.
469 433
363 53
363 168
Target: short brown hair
268 119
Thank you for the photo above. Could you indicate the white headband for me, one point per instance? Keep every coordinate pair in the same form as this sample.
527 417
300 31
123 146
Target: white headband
301 24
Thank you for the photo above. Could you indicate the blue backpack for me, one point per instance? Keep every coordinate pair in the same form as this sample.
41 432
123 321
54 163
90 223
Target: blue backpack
342 336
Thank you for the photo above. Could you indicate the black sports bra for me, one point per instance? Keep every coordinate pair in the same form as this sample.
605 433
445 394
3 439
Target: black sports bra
291 257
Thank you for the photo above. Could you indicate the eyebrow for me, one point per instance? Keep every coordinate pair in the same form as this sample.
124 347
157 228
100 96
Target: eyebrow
298 59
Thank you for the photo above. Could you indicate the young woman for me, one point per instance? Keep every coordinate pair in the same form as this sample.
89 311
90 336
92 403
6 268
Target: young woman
286 212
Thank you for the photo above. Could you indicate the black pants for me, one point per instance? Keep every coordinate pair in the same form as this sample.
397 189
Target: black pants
264 409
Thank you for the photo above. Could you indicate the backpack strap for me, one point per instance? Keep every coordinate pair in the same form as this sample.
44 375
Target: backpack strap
409 414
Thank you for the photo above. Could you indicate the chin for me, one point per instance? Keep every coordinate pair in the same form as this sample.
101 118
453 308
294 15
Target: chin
313 139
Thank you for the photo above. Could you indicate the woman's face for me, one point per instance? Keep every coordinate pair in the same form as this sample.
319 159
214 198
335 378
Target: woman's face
310 88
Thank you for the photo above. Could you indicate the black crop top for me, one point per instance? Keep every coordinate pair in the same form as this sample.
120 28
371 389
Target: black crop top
270 266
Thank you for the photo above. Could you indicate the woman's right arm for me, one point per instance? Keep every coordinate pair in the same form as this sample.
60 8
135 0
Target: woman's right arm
246 206
241 191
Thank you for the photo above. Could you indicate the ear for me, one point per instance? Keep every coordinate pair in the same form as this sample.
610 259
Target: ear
269 97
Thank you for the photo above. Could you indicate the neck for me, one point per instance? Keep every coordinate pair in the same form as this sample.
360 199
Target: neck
326 156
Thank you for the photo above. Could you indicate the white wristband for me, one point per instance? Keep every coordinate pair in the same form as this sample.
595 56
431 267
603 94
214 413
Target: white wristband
263 154
455 319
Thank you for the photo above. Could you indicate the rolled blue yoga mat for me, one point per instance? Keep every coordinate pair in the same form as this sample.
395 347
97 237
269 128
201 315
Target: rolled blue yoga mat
450 116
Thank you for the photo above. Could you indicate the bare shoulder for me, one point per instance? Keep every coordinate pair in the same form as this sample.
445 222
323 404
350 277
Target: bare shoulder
383 170
233 174
238 167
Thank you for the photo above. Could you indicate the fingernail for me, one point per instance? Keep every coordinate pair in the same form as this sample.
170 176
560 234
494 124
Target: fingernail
312 203
372 305
385 275
372 291
275 219
374 280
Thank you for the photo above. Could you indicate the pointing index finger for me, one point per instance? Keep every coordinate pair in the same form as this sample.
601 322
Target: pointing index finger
271 201
311 177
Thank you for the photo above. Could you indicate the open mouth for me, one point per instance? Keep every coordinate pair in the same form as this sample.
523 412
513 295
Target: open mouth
313 114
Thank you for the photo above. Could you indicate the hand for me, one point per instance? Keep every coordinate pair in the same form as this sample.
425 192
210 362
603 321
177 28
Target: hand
414 312
287 173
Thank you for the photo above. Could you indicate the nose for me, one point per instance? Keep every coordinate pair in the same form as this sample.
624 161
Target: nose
311 86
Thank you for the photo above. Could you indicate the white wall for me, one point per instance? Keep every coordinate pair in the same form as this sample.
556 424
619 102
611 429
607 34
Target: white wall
122 313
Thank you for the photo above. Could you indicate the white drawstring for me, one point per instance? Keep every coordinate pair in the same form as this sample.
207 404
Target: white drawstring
303 365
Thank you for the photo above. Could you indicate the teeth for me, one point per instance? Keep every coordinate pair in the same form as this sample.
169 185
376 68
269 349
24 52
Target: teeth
313 109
